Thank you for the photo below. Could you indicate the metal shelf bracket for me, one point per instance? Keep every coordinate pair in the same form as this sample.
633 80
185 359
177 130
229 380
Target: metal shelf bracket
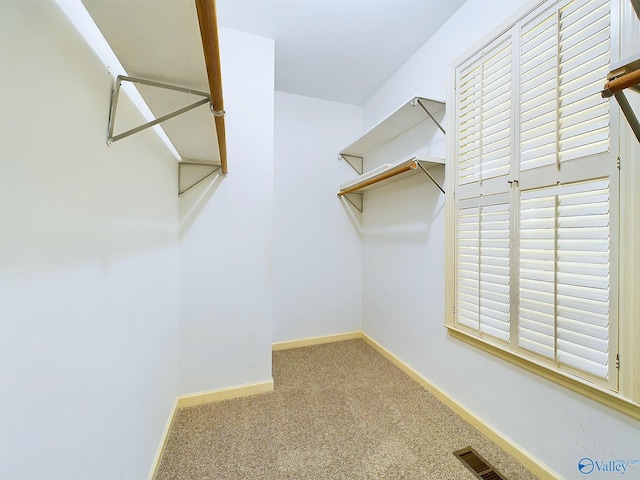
626 108
354 162
355 199
200 171
114 105
417 101
430 176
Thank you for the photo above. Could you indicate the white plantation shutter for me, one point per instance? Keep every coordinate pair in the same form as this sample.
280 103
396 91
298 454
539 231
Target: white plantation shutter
483 272
536 331
583 256
485 106
535 192
495 153
468 123
583 64
468 268
564 276
539 92
564 59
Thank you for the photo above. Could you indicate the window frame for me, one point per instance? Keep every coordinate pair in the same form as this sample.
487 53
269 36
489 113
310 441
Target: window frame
627 397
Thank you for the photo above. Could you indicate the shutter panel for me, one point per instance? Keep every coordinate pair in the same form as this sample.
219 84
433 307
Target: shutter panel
583 277
495 282
564 57
495 154
539 91
468 239
584 63
484 115
564 276
536 315
483 289
468 122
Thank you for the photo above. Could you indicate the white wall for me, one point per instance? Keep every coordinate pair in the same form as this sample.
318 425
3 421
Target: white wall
226 234
404 260
317 252
88 264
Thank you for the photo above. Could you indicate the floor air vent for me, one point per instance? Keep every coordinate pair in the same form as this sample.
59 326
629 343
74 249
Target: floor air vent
474 462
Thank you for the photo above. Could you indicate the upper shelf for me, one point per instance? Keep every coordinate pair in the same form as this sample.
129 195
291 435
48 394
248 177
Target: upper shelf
174 42
389 173
406 117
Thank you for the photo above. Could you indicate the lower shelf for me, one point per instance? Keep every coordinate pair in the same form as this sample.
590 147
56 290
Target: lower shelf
391 174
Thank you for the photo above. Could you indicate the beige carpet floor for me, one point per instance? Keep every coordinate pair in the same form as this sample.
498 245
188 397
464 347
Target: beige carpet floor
338 411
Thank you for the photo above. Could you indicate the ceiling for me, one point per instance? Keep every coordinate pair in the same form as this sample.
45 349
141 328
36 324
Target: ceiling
339 50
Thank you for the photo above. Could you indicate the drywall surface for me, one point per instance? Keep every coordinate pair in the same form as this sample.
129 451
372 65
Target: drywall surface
427 72
226 234
403 291
317 237
88 264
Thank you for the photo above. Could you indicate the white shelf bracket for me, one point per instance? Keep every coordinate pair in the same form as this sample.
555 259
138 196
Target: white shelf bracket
355 199
200 171
114 105
354 162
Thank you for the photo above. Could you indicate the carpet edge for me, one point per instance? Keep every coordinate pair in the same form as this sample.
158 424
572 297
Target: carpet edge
525 458
201 398
306 342
209 396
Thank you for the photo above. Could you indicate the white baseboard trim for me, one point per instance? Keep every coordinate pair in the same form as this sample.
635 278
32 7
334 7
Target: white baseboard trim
163 442
306 342
525 458
217 395
201 398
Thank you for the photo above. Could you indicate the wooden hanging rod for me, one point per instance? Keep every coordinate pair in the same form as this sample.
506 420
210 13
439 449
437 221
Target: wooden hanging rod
392 172
618 84
207 18
624 76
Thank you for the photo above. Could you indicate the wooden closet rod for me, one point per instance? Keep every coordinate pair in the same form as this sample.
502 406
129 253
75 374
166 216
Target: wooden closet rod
618 84
208 21
378 178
